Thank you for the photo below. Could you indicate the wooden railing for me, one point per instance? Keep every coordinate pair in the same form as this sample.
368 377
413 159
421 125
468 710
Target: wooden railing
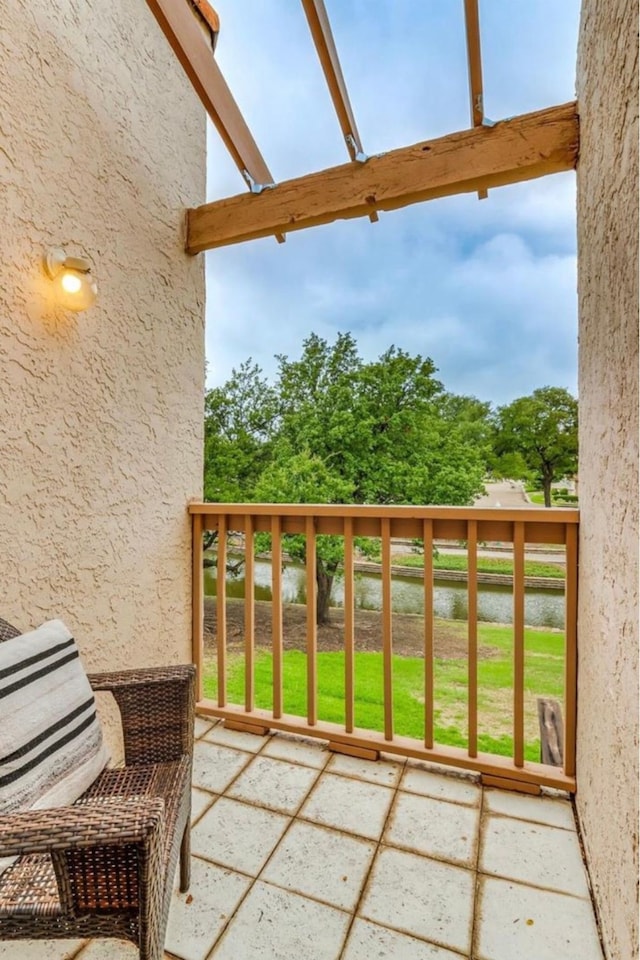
473 526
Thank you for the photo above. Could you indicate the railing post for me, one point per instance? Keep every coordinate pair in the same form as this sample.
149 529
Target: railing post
276 614
312 629
197 600
518 644
221 610
571 651
472 624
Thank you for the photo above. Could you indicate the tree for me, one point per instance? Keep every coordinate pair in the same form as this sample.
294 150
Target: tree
543 430
334 429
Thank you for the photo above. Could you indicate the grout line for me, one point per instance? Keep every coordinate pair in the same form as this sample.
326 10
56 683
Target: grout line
368 873
476 887
292 819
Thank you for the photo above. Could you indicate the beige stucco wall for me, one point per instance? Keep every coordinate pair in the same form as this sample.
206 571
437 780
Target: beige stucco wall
607 797
102 146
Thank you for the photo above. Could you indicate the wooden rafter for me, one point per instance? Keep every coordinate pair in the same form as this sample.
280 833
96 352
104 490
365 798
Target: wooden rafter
474 61
181 29
514 150
320 27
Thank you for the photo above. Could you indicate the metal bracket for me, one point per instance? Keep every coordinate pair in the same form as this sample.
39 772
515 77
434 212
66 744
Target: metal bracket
360 157
488 123
256 188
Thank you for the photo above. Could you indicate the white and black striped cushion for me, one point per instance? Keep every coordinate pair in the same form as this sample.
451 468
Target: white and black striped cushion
51 745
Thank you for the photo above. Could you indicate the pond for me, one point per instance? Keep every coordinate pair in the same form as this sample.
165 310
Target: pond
543 608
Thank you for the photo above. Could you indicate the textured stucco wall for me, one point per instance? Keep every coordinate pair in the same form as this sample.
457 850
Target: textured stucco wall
607 796
102 146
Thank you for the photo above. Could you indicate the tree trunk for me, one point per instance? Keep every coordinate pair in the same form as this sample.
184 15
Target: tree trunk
324 580
546 486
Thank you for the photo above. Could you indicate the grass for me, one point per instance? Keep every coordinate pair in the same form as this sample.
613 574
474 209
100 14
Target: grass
544 652
532 568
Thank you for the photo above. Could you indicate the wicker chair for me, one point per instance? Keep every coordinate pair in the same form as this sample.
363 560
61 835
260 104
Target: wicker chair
104 867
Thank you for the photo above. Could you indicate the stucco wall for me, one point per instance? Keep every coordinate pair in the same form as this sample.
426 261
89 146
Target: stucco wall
607 796
102 146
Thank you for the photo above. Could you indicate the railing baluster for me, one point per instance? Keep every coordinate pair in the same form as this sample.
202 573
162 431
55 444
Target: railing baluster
427 537
312 629
349 626
518 644
221 610
472 613
570 655
197 610
276 614
249 614
387 640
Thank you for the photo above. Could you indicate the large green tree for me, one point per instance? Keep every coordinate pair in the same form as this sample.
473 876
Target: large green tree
542 430
336 429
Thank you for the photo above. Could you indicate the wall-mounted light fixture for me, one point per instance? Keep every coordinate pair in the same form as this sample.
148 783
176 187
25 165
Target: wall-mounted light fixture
75 287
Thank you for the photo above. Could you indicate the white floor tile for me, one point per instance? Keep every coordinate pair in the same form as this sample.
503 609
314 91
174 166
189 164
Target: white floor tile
349 805
321 863
312 753
368 941
422 897
555 813
200 800
39 949
375 771
215 767
533 853
274 784
202 726
448 831
107 950
237 739
274 924
237 835
516 921
418 779
198 916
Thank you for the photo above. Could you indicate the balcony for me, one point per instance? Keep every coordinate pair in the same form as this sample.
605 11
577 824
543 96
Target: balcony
348 840
299 852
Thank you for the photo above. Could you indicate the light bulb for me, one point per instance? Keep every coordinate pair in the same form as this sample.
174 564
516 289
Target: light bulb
75 288
71 282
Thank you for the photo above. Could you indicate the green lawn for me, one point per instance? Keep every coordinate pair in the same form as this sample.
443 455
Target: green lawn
532 568
543 676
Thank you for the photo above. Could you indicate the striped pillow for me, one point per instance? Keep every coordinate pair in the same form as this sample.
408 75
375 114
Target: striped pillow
51 746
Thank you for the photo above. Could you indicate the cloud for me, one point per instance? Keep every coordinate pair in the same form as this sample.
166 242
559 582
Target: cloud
486 288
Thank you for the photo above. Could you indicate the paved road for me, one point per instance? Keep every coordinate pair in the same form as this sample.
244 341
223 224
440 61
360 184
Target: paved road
505 494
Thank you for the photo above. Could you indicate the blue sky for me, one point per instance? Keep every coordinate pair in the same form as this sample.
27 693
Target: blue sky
487 288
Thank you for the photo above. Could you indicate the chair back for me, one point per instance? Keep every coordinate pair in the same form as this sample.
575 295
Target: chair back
8 631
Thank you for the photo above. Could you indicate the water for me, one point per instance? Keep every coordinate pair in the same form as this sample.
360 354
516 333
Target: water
543 608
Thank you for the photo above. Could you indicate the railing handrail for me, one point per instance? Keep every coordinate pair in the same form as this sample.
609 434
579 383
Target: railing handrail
559 515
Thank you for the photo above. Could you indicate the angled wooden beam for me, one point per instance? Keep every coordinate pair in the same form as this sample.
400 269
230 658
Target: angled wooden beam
521 148
320 26
474 62
318 19
190 46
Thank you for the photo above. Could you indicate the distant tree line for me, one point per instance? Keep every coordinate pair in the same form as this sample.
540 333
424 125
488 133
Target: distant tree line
333 428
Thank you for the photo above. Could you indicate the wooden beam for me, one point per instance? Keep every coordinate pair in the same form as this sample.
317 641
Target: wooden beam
474 61
522 148
187 40
318 19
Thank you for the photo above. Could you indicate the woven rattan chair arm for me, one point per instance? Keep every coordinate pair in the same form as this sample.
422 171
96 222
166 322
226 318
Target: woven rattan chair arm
120 820
157 707
148 676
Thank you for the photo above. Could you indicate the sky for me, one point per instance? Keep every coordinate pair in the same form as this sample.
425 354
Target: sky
487 289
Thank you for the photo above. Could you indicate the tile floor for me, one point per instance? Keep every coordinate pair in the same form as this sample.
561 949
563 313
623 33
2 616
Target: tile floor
299 853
